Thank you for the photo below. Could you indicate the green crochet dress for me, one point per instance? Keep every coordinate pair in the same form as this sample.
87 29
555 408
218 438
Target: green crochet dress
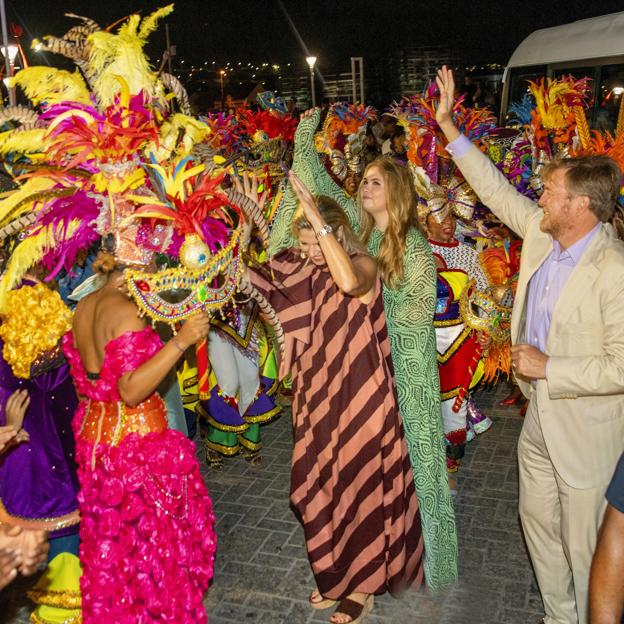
409 314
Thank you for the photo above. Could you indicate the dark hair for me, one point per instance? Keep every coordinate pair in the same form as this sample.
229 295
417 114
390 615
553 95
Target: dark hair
104 263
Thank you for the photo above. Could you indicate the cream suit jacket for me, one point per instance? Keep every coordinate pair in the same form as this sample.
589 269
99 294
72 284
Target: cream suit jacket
581 403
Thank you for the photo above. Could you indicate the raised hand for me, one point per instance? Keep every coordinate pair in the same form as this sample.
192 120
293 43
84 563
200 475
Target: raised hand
306 201
249 187
446 86
308 113
34 547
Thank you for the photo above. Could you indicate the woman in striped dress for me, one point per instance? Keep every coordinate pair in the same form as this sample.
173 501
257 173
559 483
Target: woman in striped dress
384 216
351 483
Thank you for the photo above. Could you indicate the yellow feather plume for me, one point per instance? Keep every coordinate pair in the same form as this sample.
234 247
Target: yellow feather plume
113 55
150 23
51 85
24 141
17 202
26 255
191 130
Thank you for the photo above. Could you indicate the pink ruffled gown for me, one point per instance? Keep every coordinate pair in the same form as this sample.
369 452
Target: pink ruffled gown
147 536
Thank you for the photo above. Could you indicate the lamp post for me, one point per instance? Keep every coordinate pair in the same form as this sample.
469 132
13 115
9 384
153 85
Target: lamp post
10 52
311 60
5 41
221 75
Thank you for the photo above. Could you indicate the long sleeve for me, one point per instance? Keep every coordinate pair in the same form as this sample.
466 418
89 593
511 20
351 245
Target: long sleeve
287 289
409 313
414 302
312 173
495 191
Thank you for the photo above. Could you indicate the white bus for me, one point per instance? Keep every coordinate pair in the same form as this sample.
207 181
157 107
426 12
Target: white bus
591 47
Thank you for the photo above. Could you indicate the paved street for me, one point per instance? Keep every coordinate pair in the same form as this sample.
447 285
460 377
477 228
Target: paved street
262 574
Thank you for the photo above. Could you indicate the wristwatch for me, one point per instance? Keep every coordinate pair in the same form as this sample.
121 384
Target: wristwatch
324 231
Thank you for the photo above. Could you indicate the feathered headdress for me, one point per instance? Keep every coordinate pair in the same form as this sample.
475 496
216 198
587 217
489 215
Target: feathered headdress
441 187
343 137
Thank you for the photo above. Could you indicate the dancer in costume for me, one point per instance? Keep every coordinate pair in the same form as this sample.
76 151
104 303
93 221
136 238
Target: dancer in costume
351 483
147 539
38 481
241 395
388 223
459 348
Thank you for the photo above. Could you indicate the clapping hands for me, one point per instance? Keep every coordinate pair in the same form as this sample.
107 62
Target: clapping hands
22 551
15 410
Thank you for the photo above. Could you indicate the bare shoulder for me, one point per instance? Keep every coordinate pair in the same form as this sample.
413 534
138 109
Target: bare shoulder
117 314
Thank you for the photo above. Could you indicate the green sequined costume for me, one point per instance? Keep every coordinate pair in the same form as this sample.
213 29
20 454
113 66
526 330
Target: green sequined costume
409 315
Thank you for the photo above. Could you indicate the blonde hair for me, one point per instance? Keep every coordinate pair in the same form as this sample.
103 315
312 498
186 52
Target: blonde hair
402 215
335 217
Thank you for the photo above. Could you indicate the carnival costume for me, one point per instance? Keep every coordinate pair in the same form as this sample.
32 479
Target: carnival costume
108 160
243 381
147 542
441 192
458 350
409 310
38 481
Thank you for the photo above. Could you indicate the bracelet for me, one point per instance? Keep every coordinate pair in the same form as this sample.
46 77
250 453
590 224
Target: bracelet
176 345
324 231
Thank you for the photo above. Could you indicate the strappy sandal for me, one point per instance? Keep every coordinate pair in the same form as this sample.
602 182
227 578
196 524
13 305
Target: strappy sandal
214 460
357 611
324 603
253 458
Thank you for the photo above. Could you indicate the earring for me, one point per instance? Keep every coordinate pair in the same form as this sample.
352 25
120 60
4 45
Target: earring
302 255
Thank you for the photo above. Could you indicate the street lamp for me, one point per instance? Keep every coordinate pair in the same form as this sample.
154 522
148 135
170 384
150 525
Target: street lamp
10 52
311 60
221 75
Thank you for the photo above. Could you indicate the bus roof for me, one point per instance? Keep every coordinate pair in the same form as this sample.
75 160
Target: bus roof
596 37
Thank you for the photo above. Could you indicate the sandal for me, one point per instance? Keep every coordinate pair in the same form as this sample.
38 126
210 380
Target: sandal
254 458
214 460
323 603
357 611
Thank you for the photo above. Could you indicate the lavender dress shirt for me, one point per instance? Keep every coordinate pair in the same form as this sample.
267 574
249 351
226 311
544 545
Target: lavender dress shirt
546 286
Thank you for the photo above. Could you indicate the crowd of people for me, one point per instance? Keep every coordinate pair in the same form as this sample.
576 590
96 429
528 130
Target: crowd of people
166 277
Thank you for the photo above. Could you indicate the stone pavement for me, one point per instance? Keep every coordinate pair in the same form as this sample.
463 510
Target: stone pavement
262 574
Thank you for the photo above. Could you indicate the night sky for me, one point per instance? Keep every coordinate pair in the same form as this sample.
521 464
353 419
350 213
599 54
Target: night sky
334 30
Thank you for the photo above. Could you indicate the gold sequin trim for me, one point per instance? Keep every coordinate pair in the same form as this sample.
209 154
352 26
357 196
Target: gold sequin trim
51 598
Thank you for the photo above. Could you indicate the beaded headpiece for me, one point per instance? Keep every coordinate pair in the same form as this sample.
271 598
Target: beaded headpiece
343 138
439 184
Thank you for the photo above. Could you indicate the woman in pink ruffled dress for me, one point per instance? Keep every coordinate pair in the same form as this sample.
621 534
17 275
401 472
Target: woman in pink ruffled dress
147 538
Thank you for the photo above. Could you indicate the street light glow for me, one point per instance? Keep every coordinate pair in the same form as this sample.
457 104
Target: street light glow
13 49
311 60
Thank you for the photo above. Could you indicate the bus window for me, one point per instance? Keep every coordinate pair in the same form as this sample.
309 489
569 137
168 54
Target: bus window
517 81
609 97
519 77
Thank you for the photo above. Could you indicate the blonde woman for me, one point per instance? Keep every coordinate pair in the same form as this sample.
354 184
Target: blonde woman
351 481
385 218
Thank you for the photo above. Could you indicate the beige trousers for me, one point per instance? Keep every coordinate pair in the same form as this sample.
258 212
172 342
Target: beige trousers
560 526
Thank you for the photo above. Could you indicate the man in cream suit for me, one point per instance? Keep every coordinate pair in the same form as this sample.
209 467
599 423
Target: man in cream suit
568 355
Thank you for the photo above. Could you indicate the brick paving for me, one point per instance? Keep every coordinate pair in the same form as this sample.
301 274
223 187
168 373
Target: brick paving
262 574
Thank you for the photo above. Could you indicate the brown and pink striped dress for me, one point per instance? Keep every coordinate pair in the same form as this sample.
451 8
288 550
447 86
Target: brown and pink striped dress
351 482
